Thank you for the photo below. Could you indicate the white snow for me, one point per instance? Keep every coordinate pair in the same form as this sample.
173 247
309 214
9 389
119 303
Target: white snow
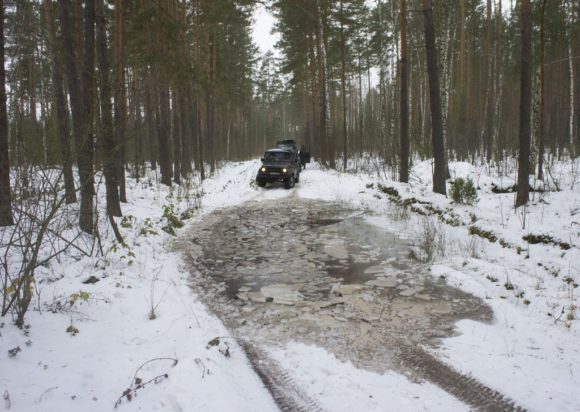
530 353
339 386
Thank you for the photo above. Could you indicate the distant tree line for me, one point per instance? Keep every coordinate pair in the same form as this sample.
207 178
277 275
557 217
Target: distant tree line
346 114
177 86
122 85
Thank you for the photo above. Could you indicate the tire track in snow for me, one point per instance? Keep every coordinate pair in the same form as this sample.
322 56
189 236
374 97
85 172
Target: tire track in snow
284 390
465 388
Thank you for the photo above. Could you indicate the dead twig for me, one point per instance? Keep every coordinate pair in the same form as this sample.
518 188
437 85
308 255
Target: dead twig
556 319
137 383
6 398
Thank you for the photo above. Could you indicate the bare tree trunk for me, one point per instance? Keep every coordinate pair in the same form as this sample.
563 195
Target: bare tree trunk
110 159
343 87
164 130
44 98
137 122
404 96
360 108
197 116
210 130
324 100
489 100
210 127
314 91
86 158
447 75
542 109
199 138
88 149
150 117
60 105
5 192
460 131
522 196
176 132
498 80
176 91
151 93
77 27
575 75
187 128
305 114
187 137
164 120
439 172
120 107
572 110
81 98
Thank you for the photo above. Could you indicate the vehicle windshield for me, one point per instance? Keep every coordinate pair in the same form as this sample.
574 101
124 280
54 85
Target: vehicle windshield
277 157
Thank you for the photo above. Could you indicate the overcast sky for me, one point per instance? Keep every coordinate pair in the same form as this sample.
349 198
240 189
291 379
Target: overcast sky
263 23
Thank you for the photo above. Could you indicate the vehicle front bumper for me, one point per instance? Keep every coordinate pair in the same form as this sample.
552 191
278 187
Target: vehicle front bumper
273 176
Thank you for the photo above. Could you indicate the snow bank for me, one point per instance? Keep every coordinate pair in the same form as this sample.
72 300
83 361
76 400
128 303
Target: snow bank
112 333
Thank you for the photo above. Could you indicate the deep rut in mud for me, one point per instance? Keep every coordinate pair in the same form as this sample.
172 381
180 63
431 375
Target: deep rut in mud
313 271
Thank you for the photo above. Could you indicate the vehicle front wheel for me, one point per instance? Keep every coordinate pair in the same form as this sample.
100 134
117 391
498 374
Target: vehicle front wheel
289 183
298 177
261 183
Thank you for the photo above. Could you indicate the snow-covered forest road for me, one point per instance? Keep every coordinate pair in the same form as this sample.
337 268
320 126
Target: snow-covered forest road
334 295
312 272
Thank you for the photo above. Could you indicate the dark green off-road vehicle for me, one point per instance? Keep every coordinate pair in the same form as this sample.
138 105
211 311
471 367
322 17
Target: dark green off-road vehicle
293 145
280 165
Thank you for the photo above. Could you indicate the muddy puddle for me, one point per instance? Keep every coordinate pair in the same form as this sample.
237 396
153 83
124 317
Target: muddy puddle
318 273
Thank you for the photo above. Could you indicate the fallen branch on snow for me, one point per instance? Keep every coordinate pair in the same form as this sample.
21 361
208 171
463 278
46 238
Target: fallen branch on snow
138 383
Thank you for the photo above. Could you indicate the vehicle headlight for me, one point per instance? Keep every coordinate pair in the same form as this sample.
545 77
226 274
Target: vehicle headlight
263 169
284 170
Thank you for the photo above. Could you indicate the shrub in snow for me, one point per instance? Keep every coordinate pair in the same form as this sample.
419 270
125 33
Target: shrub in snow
432 240
14 351
173 221
463 191
127 221
42 231
148 228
